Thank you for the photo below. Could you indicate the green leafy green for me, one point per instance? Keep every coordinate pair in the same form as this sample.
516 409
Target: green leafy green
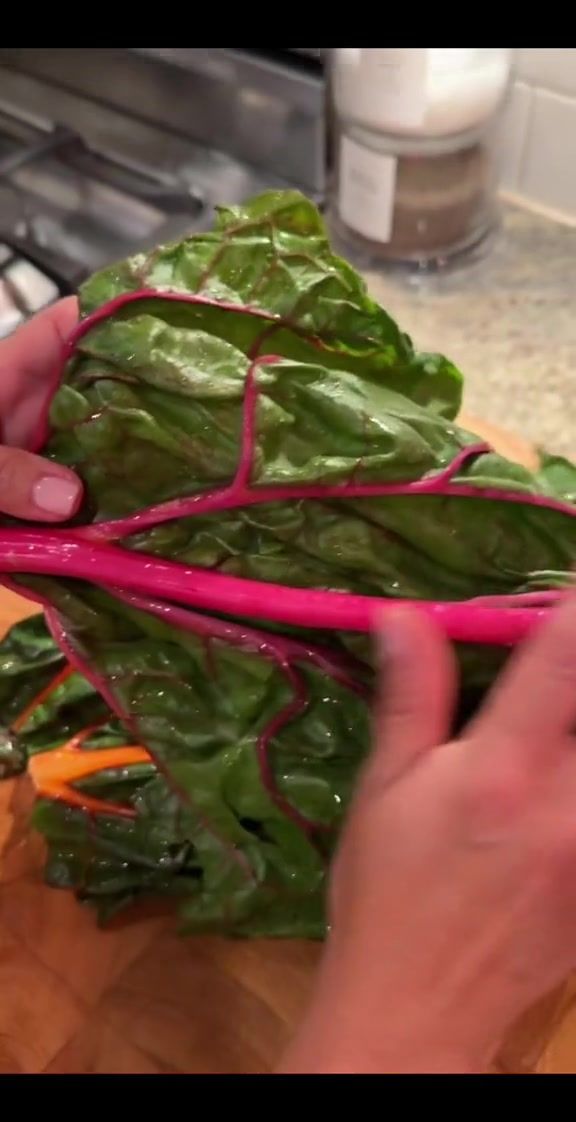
559 475
238 403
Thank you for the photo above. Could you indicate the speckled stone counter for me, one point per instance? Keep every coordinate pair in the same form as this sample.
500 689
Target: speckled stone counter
509 324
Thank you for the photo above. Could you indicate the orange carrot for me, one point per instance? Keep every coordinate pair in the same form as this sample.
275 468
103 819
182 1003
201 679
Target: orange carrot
53 772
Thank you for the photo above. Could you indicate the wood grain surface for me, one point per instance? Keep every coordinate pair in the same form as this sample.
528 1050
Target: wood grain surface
137 999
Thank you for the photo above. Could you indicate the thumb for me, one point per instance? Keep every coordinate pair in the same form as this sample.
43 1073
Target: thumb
416 692
36 489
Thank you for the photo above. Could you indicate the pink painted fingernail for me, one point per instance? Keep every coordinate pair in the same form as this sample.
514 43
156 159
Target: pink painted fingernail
56 495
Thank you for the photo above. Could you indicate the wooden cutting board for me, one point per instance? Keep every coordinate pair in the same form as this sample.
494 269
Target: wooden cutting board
137 999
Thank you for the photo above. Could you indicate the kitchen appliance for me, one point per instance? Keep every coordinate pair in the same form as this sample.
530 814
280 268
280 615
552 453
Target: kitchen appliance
106 151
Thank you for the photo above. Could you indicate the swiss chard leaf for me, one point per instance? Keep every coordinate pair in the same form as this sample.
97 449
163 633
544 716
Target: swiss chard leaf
558 474
273 253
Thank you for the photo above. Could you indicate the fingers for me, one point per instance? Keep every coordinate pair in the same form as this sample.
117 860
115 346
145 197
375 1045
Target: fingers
416 692
30 365
532 707
36 489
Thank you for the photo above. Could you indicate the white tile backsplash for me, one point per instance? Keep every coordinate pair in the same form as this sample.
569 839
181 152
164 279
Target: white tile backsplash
514 134
539 130
553 68
549 163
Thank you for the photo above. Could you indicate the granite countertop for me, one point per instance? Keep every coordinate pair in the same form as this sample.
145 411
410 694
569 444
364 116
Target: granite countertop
509 324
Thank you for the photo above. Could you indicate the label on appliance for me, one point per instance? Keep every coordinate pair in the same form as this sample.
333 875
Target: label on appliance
366 190
396 77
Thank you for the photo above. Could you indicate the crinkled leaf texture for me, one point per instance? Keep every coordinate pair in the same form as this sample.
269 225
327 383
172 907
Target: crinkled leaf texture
254 744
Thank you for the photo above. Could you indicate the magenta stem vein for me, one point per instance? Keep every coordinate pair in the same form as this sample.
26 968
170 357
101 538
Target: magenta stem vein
61 554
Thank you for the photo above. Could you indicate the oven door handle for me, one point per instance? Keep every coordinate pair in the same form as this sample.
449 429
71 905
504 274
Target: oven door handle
67 275
58 138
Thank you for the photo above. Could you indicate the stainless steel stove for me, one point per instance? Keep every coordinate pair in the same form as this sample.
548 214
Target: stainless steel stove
105 151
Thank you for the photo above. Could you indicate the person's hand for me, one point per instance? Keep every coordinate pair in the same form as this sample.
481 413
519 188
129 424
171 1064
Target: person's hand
31 487
453 902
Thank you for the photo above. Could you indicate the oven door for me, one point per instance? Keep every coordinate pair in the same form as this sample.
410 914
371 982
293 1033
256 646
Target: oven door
263 106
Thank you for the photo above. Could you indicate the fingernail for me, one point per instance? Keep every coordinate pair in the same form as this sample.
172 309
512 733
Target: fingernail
56 495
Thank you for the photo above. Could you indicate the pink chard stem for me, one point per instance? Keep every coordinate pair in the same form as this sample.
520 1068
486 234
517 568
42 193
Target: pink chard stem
55 553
